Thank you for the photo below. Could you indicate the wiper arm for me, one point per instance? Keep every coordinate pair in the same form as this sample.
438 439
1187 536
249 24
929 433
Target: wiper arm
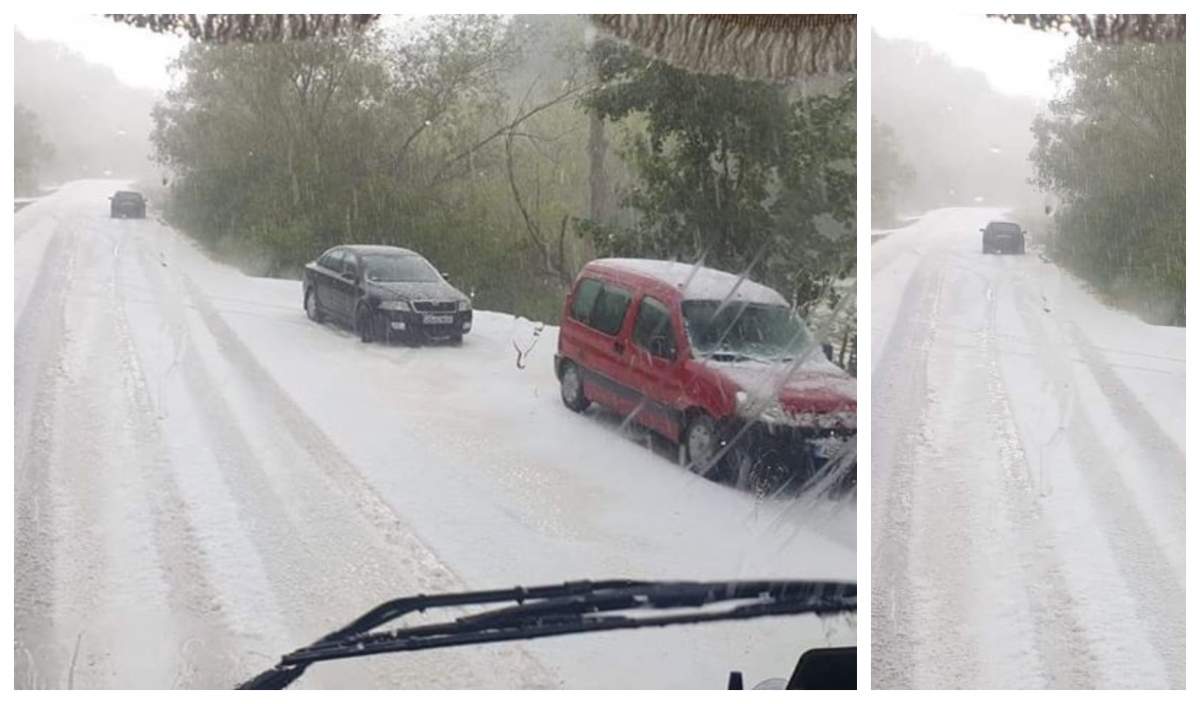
574 607
726 356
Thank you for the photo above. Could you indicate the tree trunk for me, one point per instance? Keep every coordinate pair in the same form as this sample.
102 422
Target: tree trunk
600 204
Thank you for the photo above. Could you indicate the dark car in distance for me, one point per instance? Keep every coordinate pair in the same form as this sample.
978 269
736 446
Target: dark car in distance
1003 237
127 204
384 294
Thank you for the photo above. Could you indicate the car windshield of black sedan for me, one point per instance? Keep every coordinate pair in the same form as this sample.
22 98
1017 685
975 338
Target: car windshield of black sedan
1006 228
391 268
744 330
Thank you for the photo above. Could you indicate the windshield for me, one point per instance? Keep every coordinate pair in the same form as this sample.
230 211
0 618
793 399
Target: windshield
744 331
392 268
400 314
1005 228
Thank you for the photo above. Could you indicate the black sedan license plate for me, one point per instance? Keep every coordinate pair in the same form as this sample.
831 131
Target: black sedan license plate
438 319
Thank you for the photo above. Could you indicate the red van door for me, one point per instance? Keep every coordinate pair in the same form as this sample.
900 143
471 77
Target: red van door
600 342
656 368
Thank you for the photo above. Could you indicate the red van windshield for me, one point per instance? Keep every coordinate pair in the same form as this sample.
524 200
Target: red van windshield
744 330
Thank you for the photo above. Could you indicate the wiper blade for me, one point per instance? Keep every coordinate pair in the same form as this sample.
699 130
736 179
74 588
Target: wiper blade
573 607
723 356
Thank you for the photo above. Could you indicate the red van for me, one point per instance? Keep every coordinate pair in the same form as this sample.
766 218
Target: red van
718 364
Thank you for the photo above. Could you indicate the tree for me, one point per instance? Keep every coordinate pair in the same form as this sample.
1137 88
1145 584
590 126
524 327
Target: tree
742 174
1112 150
30 150
427 138
889 173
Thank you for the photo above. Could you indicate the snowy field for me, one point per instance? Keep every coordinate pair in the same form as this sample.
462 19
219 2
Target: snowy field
205 479
1027 473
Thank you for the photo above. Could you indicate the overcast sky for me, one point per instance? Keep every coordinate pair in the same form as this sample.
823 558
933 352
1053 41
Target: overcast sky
1016 59
139 57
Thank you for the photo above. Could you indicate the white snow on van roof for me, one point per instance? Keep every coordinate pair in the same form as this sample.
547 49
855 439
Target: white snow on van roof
705 284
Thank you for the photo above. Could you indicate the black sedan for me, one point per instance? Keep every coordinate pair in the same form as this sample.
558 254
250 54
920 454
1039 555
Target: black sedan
385 294
1003 237
127 204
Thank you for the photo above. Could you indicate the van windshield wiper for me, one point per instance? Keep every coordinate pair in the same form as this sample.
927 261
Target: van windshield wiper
727 356
573 607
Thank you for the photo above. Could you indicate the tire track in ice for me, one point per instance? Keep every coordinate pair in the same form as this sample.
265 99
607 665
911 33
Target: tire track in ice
1056 625
38 346
898 379
194 605
408 561
1140 560
1140 423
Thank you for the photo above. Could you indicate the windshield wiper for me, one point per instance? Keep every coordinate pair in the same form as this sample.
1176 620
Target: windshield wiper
573 607
726 356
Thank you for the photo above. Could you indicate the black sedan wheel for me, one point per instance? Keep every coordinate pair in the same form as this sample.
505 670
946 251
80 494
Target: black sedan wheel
311 307
363 326
382 331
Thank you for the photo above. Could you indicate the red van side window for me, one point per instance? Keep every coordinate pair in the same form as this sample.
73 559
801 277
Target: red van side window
608 314
585 299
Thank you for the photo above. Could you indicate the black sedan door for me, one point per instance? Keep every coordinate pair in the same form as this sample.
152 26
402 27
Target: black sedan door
325 282
347 287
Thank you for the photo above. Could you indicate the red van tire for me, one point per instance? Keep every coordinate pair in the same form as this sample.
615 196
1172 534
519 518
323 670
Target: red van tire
702 442
571 388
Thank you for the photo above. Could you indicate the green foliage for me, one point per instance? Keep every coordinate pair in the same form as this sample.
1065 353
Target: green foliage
474 141
741 174
282 150
30 150
889 173
1112 150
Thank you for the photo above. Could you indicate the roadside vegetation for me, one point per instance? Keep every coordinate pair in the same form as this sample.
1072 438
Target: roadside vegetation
510 152
1112 150
31 151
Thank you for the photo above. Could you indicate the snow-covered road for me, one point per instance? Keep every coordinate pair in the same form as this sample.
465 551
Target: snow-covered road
205 479
1027 473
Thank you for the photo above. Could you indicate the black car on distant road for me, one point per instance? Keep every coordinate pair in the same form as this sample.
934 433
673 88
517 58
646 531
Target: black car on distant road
384 294
127 204
1003 237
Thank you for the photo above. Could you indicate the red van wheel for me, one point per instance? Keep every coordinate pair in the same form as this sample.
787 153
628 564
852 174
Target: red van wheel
573 396
702 445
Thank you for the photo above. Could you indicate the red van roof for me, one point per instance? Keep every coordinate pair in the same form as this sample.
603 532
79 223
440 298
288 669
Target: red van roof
689 281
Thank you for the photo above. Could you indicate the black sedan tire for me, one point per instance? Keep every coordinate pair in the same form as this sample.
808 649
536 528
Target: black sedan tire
363 324
381 328
311 307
